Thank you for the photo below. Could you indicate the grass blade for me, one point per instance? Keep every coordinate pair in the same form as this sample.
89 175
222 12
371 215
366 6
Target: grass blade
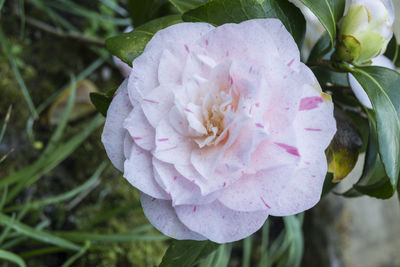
264 246
2 4
71 260
6 120
43 202
20 80
81 237
58 133
105 215
6 230
45 164
247 244
9 256
36 234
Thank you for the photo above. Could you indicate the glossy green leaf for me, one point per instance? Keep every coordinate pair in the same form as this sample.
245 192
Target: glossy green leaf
102 101
393 51
327 77
320 49
186 253
382 86
218 12
374 181
328 12
186 5
9 256
142 11
342 153
130 45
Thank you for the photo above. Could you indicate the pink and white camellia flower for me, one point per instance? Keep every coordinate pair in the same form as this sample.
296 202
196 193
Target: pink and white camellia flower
219 127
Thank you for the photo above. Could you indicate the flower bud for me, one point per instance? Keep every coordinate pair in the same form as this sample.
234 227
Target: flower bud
365 30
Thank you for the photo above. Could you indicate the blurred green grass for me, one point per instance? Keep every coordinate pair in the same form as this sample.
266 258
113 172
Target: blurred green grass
51 213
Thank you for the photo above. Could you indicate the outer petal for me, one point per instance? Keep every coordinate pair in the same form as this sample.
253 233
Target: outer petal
163 217
140 129
316 126
114 133
260 191
361 95
304 190
144 76
220 224
139 173
282 191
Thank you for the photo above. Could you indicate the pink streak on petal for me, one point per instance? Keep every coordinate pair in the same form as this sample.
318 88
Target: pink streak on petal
224 184
265 203
171 148
206 42
175 177
162 139
150 101
312 102
230 80
257 105
289 149
187 48
259 125
137 138
251 69
227 53
312 129
188 110
290 63
194 208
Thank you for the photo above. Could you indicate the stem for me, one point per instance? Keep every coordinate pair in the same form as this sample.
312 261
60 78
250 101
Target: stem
323 63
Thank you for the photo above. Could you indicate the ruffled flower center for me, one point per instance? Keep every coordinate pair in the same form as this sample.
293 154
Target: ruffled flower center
217 107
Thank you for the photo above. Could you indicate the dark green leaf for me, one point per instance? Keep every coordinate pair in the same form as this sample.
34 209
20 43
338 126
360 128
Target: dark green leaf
328 184
186 253
398 191
327 77
382 86
320 49
328 12
362 126
218 12
143 11
186 5
392 51
342 153
374 181
130 45
102 101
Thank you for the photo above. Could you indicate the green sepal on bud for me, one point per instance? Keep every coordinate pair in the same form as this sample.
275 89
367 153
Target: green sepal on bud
364 32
